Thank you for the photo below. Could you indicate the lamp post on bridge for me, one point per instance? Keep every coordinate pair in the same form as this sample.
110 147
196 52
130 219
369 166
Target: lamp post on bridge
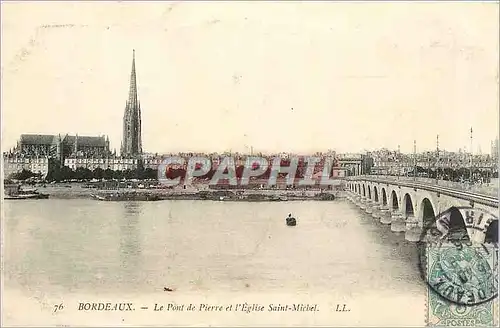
415 160
399 161
428 158
437 159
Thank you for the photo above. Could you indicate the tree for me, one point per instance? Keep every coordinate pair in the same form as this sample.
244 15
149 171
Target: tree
54 171
149 173
139 171
108 174
98 173
118 174
23 175
83 173
130 174
67 173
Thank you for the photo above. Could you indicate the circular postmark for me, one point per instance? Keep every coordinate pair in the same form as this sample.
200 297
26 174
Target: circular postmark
456 259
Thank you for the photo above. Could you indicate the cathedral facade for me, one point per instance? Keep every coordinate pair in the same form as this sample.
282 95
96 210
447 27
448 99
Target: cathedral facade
36 152
61 146
132 144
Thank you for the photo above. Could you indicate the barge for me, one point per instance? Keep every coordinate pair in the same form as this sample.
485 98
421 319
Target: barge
16 192
125 197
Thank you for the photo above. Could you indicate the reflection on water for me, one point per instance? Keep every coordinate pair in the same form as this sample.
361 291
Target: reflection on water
75 245
130 245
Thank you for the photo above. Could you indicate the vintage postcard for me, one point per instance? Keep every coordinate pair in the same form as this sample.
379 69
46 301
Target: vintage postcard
250 164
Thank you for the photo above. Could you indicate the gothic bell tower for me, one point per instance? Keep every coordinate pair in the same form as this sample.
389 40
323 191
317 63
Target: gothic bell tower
132 143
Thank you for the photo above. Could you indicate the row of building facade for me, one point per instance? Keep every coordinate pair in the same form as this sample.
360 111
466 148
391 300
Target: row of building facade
387 162
94 153
36 153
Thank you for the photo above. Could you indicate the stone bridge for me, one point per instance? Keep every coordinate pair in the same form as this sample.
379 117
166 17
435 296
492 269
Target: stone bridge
409 205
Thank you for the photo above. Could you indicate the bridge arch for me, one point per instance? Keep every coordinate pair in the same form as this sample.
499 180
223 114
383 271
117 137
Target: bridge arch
409 209
369 192
364 190
491 235
457 229
384 197
428 213
394 200
375 194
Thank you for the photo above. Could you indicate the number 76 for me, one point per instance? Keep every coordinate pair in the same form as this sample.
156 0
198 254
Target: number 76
58 307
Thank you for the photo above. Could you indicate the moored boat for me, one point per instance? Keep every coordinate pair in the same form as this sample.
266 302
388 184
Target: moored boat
97 197
125 196
26 196
16 192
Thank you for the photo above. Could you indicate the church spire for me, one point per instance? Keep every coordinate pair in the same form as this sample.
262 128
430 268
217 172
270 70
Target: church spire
132 95
132 144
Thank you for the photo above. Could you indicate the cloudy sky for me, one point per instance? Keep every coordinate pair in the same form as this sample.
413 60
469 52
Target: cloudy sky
294 76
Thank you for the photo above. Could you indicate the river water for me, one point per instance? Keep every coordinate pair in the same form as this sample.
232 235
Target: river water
75 249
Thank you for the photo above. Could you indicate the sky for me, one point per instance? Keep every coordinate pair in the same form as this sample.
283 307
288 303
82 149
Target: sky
278 77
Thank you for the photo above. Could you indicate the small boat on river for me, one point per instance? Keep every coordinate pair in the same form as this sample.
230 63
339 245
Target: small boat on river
291 221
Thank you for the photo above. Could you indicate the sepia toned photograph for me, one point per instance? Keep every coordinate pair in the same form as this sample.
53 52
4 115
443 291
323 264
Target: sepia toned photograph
249 164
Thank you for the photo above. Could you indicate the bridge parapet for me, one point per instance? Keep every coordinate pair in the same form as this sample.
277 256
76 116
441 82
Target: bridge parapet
448 189
408 206
491 189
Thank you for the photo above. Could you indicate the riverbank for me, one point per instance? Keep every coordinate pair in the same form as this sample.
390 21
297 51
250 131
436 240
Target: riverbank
76 191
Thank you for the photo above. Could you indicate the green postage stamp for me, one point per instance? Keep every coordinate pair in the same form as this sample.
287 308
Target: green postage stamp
462 285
